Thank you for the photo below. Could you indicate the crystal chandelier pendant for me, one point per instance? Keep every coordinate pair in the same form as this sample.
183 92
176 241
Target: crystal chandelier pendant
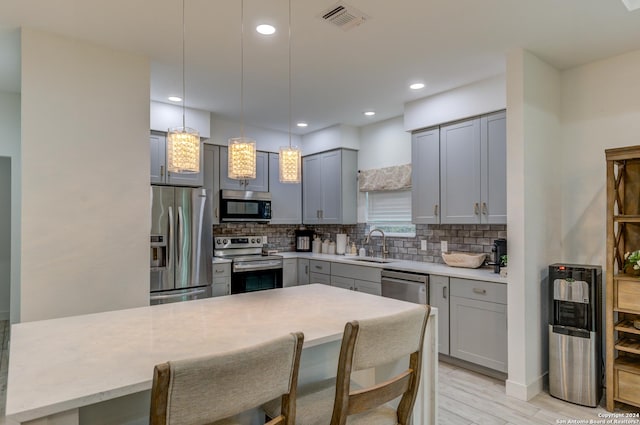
242 158
183 150
290 159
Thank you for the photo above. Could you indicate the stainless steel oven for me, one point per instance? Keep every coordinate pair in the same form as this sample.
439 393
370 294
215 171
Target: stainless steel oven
250 271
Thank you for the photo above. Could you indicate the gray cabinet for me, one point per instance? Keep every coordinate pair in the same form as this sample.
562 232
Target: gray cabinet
303 271
289 272
286 198
221 279
320 272
425 176
329 187
473 171
478 318
158 171
211 178
259 184
439 298
356 278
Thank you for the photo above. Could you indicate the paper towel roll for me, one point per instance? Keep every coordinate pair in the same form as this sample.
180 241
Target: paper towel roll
341 243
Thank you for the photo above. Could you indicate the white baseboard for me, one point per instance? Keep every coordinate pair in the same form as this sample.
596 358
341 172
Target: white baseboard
524 392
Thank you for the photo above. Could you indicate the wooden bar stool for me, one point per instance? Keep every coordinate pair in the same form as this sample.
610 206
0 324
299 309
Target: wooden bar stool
366 344
212 389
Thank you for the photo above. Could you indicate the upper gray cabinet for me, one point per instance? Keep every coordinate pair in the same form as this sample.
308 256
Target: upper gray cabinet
259 184
473 171
425 176
329 187
159 173
211 179
286 198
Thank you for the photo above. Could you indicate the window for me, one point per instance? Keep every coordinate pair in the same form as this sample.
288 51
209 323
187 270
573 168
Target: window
390 211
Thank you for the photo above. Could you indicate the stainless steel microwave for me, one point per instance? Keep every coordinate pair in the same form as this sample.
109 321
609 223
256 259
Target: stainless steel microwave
245 205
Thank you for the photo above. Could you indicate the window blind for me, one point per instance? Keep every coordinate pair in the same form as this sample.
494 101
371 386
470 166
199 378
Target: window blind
389 207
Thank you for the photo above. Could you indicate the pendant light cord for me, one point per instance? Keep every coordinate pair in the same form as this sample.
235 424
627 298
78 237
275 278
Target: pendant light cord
242 69
184 96
290 102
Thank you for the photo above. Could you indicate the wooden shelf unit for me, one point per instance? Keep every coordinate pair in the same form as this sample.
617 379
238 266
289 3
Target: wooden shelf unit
622 368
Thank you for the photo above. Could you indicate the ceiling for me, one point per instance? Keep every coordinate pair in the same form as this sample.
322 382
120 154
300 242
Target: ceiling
336 74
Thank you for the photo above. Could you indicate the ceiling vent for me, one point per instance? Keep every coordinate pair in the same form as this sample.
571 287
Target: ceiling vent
344 16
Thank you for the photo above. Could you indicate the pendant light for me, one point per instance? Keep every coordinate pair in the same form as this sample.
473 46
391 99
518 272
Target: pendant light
290 156
242 150
183 143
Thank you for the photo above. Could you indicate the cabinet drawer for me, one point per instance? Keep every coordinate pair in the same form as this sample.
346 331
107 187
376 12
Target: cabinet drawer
342 282
628 387
356 272
319 278
223 269
627 295
479 290
373 288
318 266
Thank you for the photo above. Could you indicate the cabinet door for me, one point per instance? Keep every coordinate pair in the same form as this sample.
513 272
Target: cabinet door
373 288
425 177
303 271
188 179
342 282
479 332
221 286
439 298
460 172
158 158
493 192
331 211
286 198
211 179
319 278
311 189
289 272
259 184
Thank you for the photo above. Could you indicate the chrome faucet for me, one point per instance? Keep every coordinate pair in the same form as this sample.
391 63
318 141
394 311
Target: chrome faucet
384 243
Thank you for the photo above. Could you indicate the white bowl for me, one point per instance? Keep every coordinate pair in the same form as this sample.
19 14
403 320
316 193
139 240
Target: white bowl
463 259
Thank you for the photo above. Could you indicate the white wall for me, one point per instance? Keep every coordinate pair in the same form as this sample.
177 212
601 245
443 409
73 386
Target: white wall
85 178
533 208
10 148
600 110
164 116
467 101
266 140
337 136
5 236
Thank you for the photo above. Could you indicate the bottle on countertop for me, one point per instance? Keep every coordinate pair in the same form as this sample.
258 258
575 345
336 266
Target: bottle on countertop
325 246
316 245
354 250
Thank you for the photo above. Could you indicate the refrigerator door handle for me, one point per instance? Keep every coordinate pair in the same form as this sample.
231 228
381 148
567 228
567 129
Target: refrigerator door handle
180 295
170 247
180 225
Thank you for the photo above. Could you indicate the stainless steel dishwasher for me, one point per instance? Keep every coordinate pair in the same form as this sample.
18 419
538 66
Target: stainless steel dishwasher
405 286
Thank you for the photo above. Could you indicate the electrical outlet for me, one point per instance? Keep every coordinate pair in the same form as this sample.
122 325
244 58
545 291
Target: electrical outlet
444 246
423 245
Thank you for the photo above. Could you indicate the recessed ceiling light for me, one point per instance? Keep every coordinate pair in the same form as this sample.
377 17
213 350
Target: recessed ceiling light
631 4
416 86
175 99
369 113
302 124
265 29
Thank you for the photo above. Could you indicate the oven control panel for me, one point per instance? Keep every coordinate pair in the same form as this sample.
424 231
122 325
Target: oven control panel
231 242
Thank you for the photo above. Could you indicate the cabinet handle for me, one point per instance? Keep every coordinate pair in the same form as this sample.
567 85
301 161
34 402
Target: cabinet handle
319 267
219 270
162 171
484 208
444 292
228 289
435 210
355 289
306 269
476 209
216 211
479 291
321 213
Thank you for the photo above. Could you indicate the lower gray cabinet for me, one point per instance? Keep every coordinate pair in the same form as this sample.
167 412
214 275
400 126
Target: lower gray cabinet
478 314
439 298
221 279
320 272
303 271
356 278
289 272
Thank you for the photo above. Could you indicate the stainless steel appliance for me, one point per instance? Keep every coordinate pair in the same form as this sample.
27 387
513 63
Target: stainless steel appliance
181 244
575 347
244 205
303 240
405 286
498 249
250 270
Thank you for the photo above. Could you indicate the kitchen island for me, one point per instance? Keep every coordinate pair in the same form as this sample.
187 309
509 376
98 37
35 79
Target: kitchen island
97 368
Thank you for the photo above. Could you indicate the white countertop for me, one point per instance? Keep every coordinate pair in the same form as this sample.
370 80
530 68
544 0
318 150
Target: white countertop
61 364
485 274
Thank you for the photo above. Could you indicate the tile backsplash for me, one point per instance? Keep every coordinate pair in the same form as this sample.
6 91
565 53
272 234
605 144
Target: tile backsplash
460 237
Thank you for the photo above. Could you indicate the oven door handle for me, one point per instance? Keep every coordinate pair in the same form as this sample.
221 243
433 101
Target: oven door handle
261 265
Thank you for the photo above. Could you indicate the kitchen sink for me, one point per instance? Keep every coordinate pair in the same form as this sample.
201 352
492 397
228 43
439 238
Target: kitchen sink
373 260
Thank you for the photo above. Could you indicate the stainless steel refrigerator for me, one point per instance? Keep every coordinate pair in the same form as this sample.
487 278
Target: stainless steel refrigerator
181 245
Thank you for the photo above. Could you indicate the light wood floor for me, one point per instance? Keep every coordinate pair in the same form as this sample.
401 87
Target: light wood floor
465 398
